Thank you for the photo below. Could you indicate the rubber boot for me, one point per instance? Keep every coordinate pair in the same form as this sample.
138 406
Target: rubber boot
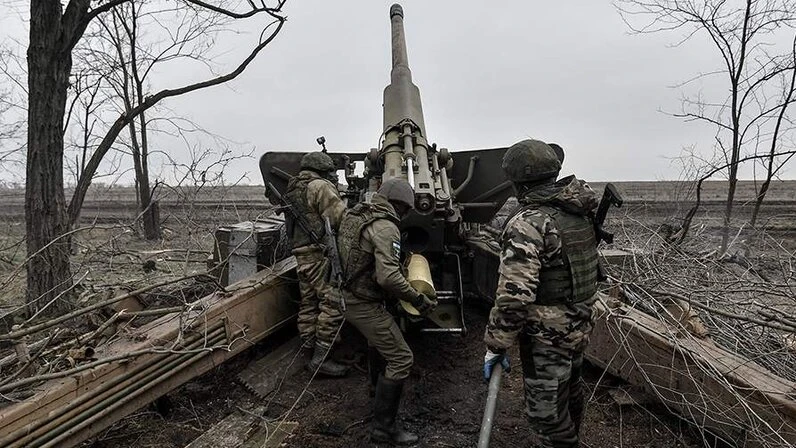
385 411
328 367
376 366
307 348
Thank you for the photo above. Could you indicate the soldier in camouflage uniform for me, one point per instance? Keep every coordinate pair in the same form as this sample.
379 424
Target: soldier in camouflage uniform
370 248
314 195
546 290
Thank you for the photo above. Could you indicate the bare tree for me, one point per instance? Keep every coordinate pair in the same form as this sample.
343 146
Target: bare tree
782 127
125 53
55 30
12 111
9 127
703 173
744 33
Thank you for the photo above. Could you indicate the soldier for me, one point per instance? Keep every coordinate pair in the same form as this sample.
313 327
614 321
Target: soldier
370 247
546 289
313 194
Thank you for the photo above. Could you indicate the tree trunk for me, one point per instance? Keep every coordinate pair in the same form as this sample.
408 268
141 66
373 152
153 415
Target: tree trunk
151 220
48 271
150 217
759 201
149 207
725 234
736 111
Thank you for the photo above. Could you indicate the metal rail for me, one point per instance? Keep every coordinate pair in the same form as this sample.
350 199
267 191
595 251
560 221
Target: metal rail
68 411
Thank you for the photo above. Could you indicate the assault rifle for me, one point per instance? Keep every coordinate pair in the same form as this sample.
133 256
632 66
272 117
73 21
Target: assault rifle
336 269
610 197
328 242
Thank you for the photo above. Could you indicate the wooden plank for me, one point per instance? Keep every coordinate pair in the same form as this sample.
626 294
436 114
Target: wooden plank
245 429
251 310
263 375
231 432
270 435
734 398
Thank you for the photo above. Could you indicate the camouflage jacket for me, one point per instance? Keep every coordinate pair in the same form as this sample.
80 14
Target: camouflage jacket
530 240
322 200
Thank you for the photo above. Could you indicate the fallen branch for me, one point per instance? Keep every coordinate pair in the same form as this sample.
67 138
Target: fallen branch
29 361
10 359
721 312
50 323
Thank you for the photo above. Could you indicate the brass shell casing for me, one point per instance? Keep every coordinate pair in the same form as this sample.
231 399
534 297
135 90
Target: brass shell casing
419 276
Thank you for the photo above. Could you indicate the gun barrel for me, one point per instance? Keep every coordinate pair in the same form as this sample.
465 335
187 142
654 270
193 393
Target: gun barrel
399 56
401 97
405 148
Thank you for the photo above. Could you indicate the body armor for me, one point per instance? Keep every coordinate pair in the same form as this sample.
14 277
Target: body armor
296 195
358 264
571 277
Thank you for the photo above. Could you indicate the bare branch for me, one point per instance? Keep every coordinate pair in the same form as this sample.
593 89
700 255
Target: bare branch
149 102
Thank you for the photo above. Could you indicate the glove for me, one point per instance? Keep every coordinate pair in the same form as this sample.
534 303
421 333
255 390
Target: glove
424 304
491 359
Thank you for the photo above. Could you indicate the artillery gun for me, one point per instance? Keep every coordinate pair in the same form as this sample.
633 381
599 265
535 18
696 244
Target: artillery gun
452 188
722 391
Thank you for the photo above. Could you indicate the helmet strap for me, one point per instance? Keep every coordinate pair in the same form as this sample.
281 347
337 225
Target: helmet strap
400 208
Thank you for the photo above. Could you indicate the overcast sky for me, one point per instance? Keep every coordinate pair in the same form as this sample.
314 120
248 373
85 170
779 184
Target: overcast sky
565 71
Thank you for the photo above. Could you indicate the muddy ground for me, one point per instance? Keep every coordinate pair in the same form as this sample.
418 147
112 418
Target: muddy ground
443 403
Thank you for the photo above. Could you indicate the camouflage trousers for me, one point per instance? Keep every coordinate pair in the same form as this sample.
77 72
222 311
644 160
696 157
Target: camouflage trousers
319 314
553 391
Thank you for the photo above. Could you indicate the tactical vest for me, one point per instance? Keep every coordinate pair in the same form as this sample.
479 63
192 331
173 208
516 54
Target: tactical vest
296 196
359 265
572 277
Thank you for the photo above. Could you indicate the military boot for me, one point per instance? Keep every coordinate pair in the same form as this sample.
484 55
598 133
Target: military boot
385 412
327 367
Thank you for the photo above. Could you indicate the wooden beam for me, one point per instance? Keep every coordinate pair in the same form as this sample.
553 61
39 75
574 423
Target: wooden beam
730 396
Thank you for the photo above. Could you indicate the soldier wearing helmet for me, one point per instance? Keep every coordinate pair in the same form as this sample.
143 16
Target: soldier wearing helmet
370 248
313 194
546 289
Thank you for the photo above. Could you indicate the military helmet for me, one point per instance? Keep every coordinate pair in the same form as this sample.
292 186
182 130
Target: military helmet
558 150
398 190
317 161
530 160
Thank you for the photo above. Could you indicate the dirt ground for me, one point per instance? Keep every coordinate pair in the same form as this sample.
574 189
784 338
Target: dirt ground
444 397
443 403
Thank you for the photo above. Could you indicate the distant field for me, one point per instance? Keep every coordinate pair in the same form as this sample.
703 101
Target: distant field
657 197
675 191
